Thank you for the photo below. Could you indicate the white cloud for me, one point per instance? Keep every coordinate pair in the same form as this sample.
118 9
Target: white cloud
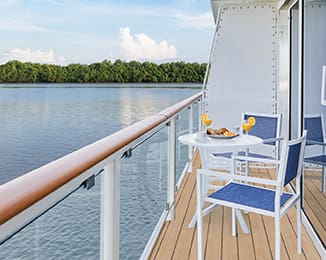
29 55
200 21
140 46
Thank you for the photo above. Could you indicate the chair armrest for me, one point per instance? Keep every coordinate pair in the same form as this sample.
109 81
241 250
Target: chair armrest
255 159
271 140
315 142
230 176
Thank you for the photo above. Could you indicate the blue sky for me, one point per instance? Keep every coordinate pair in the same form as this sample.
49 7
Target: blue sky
86 31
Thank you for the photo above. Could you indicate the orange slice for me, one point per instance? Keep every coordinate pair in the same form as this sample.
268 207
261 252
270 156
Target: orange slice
251 121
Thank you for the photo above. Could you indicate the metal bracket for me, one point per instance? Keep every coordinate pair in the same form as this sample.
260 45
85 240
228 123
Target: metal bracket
89 183
127 154
167 206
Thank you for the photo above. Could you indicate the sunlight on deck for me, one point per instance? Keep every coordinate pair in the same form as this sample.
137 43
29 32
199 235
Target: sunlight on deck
177 241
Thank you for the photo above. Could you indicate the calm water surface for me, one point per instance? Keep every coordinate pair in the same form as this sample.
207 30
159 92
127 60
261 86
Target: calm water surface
38 125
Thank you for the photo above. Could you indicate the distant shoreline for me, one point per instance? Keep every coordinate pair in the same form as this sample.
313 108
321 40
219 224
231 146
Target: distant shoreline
102 85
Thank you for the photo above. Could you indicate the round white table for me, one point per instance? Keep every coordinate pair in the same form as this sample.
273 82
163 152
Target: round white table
208 145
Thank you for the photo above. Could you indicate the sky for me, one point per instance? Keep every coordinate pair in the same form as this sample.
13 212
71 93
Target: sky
87 31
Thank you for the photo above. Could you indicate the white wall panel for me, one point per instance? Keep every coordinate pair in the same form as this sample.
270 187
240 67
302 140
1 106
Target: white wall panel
314 59
243 66
314 55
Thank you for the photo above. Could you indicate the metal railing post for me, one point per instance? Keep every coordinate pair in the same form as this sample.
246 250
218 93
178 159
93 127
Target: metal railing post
172 167
200 111
110 211
191 128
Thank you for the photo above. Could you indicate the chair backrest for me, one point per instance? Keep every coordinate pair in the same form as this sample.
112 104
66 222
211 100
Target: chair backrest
267 125
314 125
292 160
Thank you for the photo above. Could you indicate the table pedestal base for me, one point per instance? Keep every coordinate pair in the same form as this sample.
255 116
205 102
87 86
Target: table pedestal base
209 209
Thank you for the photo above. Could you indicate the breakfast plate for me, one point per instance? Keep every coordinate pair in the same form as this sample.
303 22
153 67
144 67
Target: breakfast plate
222 136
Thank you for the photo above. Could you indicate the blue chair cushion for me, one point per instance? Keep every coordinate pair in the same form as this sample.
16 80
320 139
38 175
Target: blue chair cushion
225 155
249 196
265 127
314 129
320 159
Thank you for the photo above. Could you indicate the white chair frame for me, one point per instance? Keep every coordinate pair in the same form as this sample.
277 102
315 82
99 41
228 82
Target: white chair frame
323 145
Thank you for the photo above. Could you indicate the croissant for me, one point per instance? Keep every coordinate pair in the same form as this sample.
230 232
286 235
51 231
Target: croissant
211 131
221 131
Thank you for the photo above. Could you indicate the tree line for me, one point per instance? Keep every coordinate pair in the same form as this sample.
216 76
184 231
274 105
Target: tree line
103 72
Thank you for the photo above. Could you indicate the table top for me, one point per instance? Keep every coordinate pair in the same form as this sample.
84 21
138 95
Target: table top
202 140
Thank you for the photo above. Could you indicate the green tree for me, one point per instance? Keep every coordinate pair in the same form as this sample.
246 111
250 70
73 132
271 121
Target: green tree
103 72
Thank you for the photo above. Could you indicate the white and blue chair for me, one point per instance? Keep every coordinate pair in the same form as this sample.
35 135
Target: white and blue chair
238 194
267 127
314 124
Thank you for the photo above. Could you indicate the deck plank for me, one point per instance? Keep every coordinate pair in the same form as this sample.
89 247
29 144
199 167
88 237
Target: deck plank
175 226
261 242
307 246
163 236
214 248
186 234
315 202
245 241
229 241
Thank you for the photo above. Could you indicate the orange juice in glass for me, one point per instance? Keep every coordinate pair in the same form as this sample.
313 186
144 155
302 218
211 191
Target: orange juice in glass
246 127
206 120
248 124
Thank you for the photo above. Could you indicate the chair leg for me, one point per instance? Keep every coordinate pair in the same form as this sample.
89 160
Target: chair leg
199 218
323 179
234 227
277 238
299 243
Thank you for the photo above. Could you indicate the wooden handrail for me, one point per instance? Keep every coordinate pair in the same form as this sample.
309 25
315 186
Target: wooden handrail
24 191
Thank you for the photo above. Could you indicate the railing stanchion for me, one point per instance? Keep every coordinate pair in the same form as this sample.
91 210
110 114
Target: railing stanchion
191 128
110 211
172 167
200 111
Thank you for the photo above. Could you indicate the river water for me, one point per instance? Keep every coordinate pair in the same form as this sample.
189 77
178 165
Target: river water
39 125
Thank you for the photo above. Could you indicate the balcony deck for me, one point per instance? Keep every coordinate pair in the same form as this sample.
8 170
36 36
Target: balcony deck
315 201
177 241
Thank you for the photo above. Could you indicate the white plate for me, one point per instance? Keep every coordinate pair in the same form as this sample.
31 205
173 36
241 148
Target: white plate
222 136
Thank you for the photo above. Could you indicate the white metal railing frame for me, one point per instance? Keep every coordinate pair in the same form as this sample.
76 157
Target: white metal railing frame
26 198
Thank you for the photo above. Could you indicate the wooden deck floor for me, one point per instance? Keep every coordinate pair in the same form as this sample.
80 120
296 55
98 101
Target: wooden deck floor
177 241
315 201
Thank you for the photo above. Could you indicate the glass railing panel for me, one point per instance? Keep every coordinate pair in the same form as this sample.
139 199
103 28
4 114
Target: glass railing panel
182 125
69 230
143 193
196 113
